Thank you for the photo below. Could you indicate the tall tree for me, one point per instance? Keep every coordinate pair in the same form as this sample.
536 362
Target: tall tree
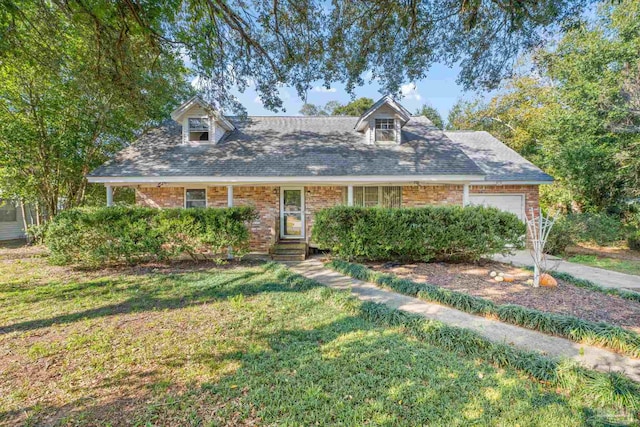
578 116
353 108
66 107
271 43
432 114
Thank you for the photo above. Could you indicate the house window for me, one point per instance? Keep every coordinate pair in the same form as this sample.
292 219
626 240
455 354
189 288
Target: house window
195 198
198 129
8 211
385 130
386 197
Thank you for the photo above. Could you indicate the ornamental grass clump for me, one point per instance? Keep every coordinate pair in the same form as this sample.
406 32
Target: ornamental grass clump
576 329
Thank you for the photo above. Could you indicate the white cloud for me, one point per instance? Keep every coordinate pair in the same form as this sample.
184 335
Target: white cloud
324 89
257 100
409 91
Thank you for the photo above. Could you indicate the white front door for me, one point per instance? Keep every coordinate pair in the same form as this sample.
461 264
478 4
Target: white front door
292 212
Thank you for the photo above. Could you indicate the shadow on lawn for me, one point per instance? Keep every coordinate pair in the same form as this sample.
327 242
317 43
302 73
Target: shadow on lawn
345 372
194 290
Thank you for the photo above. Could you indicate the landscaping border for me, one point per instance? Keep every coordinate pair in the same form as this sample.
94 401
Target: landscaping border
606 390
570 327
587 284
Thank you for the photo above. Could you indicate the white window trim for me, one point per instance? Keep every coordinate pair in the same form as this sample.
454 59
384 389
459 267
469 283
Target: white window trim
209 131
379 187
302 213
206 196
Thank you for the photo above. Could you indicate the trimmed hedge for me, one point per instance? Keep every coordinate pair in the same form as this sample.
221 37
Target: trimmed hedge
573 328
416 234
90 237
609 391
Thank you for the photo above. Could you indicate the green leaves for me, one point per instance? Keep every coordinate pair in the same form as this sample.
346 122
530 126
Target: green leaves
91 237
416 234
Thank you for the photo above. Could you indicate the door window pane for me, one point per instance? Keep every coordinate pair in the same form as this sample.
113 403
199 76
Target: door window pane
196 198
292 200
293 224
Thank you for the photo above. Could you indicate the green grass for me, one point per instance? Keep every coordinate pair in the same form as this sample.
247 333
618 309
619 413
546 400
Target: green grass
613 264
570 327
259 345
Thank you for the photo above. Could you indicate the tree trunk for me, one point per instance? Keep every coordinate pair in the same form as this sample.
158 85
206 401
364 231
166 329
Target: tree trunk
24 220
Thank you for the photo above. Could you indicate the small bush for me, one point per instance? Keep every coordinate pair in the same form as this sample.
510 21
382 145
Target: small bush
633 240
417 234
601 229
573 328
93 236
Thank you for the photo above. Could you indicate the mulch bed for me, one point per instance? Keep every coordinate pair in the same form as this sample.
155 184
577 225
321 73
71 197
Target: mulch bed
474 279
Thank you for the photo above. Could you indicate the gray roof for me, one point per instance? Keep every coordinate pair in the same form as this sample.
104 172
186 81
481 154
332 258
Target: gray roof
497 161
303 146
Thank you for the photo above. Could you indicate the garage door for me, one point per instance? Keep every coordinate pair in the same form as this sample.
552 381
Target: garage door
513 203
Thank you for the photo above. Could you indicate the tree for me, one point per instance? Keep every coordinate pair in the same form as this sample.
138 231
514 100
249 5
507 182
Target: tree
64 109
576 115
312 110
354 108
432 114
231 44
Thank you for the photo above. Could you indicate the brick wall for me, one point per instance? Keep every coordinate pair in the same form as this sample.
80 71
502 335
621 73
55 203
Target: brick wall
421 195
266 200
531 194
320 197
160 197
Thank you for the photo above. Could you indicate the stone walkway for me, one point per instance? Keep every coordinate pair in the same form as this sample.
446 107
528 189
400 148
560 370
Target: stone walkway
602 277
494 330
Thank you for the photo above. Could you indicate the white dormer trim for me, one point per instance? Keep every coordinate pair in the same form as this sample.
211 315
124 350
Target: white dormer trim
181 112
403 115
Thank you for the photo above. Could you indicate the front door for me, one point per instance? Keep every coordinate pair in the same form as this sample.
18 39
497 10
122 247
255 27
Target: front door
292 212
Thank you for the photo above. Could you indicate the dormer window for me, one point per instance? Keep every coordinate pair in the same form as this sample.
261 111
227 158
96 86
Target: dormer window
385 130
198 129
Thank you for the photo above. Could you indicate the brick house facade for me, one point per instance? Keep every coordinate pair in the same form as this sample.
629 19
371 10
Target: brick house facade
265 230
289 168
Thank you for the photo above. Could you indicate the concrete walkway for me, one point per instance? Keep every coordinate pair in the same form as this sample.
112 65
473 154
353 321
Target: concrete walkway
602 277
494 330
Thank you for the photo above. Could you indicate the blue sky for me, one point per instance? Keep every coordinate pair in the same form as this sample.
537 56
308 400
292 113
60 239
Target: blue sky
439 90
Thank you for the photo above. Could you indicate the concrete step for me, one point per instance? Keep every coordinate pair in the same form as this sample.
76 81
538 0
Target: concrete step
291 245
285 251
299 257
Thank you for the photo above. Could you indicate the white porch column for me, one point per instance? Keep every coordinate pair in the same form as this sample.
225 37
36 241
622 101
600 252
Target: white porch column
230 205
350 195
109 195
465 195
230 196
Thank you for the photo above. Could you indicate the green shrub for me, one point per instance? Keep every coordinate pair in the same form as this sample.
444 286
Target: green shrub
416 234
633 240
599 228
93 236
573 328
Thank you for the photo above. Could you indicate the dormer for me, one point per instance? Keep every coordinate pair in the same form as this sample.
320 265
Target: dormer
201 123
383 122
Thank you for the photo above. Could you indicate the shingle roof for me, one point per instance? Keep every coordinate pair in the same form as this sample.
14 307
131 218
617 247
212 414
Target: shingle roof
497 161
292 146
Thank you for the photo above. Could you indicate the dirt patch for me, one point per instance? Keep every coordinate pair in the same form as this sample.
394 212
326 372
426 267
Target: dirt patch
615 252
474 279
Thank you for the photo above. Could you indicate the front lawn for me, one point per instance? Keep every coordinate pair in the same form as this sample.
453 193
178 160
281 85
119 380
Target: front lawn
233 345
629 266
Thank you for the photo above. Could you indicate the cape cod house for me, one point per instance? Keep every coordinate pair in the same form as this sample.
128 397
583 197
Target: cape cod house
290 167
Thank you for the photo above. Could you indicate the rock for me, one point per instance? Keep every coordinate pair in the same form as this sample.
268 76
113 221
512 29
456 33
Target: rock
493 274
548 281
499 279
501 274
529 282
